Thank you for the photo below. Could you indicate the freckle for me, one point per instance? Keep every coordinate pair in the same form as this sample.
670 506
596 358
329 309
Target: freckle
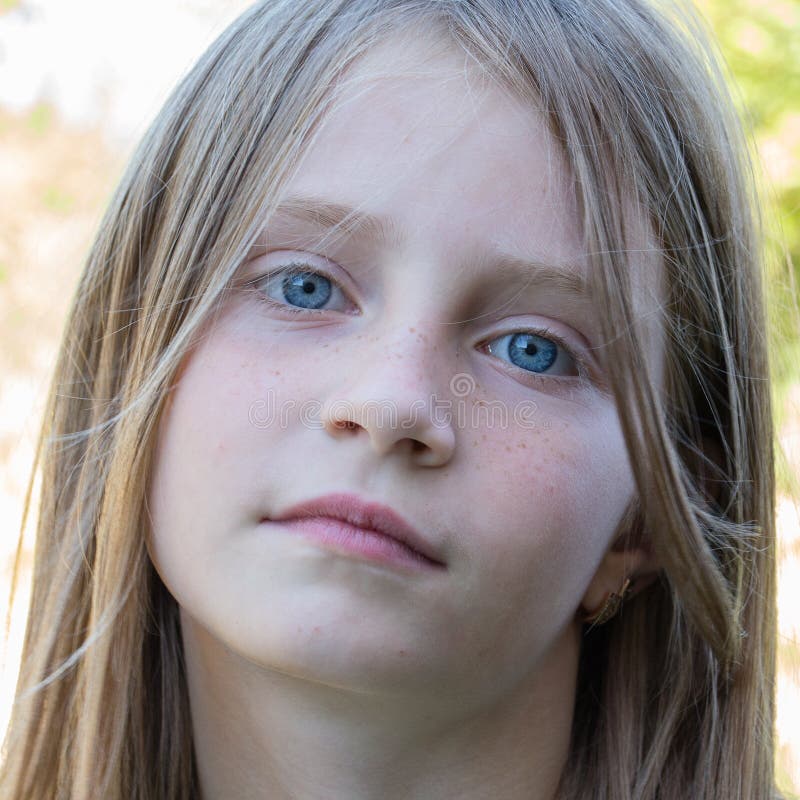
508 449
411 330
402 653
522 445
316 629
483 437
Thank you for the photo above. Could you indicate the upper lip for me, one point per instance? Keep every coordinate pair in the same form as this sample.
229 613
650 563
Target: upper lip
364 514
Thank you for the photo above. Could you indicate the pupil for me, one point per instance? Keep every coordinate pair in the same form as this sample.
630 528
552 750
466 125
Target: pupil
308 287
531 349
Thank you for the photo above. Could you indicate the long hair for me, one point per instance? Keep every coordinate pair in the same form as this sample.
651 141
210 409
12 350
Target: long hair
675 695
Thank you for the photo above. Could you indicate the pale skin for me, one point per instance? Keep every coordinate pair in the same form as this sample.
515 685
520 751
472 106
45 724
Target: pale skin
316 675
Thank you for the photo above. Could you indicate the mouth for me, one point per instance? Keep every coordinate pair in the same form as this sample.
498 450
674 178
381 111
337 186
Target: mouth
345 521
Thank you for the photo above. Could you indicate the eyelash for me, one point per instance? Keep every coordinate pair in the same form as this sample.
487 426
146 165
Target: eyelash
545 333
293 266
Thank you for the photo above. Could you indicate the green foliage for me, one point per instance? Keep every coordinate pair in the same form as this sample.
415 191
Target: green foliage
57 200
760 41
40 119
761 44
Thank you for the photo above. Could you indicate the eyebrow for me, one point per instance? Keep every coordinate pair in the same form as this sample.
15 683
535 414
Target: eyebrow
540 275
332 218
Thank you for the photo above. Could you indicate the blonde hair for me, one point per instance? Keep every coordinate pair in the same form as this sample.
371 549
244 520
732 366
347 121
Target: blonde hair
675 696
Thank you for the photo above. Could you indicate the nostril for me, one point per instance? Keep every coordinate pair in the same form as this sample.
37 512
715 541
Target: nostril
344 425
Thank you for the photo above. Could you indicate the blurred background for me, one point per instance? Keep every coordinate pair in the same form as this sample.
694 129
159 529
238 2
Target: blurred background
79 83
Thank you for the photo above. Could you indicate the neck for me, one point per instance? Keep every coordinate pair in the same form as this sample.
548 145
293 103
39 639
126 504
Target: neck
263 733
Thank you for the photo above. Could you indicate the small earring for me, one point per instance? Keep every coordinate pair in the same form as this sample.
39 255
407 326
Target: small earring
609 607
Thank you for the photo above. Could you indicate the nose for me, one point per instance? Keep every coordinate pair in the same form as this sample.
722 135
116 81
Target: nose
392 401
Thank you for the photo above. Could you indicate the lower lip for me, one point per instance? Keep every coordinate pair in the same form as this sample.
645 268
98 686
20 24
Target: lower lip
351 539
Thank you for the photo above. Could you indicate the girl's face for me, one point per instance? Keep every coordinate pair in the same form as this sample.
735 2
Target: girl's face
451 329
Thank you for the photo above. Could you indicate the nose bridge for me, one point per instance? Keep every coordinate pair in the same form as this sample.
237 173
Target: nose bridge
404 356
414 324
391 389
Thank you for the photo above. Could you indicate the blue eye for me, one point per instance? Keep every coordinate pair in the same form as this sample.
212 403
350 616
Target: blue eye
536 353
296 289
303 290
306 289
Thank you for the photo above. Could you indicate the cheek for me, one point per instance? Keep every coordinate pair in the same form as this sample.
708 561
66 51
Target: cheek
554 497
533 516
229 392
215 468
201 458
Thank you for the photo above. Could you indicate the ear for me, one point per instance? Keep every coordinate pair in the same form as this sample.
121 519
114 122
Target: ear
630 556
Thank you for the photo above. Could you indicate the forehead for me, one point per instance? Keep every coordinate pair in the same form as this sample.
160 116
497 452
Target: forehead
418 132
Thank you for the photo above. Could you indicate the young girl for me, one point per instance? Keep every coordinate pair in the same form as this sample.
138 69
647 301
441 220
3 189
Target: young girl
410 436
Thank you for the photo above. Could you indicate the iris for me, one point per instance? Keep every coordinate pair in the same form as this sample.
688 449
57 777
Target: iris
306 289
529 351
